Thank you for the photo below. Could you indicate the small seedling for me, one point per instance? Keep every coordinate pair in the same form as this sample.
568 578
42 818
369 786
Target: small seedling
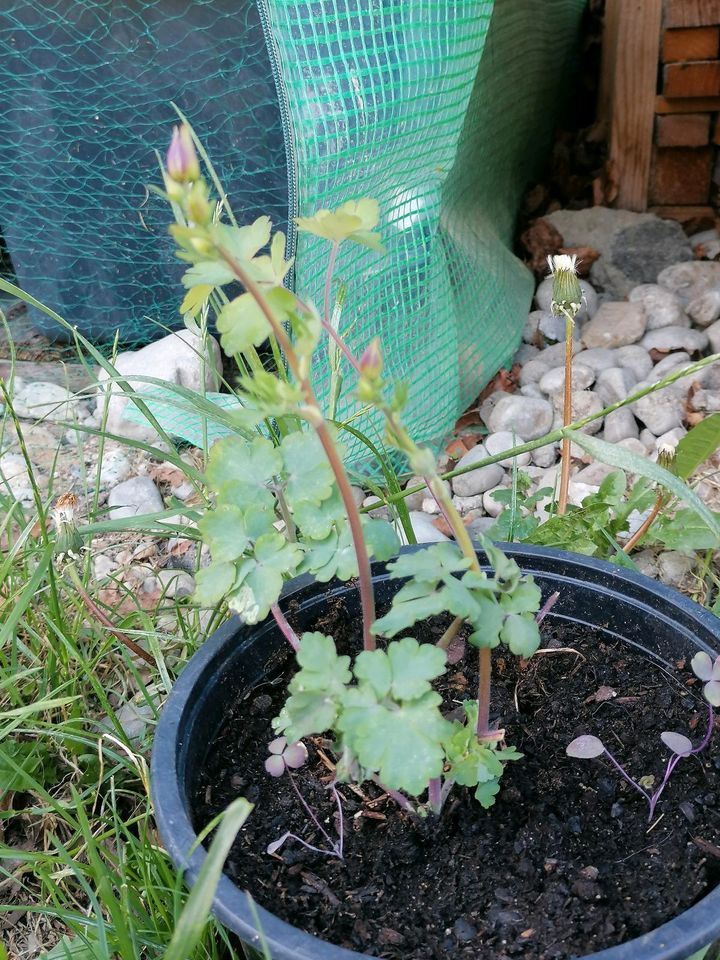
285 756
588 747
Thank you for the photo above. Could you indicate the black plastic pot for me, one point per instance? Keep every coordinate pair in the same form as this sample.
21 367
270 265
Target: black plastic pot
623 604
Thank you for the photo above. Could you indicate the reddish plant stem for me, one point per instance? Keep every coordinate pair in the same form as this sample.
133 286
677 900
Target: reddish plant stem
314 416
399 799
547 607
435 795
646 524
285 628
567 419
94 610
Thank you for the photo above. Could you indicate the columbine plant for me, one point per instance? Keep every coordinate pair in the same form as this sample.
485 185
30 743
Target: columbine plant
286 508
567 299
588 747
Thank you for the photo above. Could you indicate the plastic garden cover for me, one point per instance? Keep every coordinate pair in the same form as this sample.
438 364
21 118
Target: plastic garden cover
442 110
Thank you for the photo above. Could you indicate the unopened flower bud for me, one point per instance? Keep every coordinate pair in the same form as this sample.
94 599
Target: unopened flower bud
667 456
197 204
181 162
371 362
567 296
68 542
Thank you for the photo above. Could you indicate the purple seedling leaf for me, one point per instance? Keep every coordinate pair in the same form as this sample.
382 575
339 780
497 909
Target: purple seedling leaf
275 766
712 692
277 745
702 666
295 755
678 743
276 844
585 748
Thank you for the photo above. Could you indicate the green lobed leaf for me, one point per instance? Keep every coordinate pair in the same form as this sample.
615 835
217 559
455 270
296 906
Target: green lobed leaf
404 670
242 323
239 471
259 578
224 530
521 634
315 690
213 583
309 476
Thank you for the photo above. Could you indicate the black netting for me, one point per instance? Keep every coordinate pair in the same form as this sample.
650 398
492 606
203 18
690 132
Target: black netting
87 90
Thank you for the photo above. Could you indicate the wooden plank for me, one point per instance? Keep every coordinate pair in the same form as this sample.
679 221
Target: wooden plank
694 43
611 26
701 79
633 101
689 105
692 13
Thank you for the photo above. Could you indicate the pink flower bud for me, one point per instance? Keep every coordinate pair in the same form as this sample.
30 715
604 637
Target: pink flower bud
371 362
181 161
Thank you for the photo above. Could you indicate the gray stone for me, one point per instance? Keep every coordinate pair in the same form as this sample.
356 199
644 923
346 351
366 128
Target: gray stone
584 404
662 307
176 359
644 560
479 526
525 352
430 505
103 566
531 390
620 425
660 411
499 442
14 476
705 239
358 495
467 504
423 528
134 498
577 491
674 566
135 719
545 456
543 299
691 280
670 364
636 359
530 417
378 513
648 438
114 469
534 370
615 384
554 380
414 500
477 481
675 338
640 251
615 325
489 403
175 583
713 333
600 358
42 400
594 474
554 355
634 446
490 505
708 400
530 332
705 309
670 439
552 327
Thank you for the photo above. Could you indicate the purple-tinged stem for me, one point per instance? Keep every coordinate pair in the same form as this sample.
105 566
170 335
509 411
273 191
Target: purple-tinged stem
435 795
312 816
341 820
676 757
367 597
285 628
399 799
623 773
310 846
547 607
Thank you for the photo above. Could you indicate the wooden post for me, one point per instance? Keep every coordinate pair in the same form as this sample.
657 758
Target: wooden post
627 95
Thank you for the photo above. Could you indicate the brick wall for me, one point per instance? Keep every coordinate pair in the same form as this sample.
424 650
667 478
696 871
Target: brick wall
685 168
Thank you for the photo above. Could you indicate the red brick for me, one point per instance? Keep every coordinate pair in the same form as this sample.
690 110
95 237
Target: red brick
691 105
698 79
691 13
694 43
683 130
681 175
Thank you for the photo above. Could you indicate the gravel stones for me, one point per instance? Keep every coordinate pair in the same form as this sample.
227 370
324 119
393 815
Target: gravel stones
554 380
14 476
484 478
620 425
530 417
641 250
635 358
615 325
676 338
42 400
134 498
614 384
662 307
424 529
114 469
691 280
705 309
505 440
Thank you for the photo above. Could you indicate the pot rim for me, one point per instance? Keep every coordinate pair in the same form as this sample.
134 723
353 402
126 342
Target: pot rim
676 939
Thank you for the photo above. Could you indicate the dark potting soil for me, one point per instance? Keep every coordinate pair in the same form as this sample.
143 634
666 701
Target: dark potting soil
563 865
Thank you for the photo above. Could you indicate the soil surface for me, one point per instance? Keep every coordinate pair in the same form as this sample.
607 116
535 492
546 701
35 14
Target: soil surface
563 865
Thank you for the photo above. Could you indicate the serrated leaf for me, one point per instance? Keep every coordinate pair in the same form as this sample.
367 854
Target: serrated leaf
242 243
684 531
260 577
240 470
677 742
308 473
486 793
208 273
585 747
213 583
225 532
633 463
697 445
316 689
429 563
402 744
521 634
316 520
242 323
404 670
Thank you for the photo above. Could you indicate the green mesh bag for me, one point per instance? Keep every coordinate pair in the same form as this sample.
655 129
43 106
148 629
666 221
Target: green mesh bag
442 110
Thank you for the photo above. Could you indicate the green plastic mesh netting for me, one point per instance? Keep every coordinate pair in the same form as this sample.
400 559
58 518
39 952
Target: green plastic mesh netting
443 110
